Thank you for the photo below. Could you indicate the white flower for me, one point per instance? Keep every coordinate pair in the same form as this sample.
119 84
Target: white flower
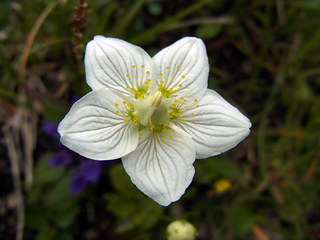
155 113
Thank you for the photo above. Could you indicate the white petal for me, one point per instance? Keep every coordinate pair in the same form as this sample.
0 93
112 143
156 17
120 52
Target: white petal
189 54
161 171
216 126
94 130
108 61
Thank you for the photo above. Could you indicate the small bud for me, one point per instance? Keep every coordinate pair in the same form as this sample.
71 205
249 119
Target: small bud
181 230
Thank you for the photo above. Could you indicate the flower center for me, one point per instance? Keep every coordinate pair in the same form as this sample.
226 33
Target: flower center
155 109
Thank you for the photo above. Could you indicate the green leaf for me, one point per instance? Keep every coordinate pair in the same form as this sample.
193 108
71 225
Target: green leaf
240 218
208 31
53 111
60 191
36 217
66 218
209 169
122 183
46 233
43 173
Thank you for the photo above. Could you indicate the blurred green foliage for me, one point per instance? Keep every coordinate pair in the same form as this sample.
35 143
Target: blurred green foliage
264 58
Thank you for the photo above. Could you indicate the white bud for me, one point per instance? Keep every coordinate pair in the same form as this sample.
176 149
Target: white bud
181 230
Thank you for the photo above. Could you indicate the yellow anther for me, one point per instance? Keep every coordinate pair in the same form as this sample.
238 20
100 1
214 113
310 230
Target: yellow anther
160 74
183 121
149 119
167 124
164 142
124 120
147 72
160 122
132 108
147 88
142 66
170 89
162 82
185 100
196 100
192 114
148 80
134 123
116 104
129 105
127 87
168 68
173 105
176 101
171 130
141 134
183 76
182 98
136 118
117 112
180 86
170 137
197 106
175 91
124 102
133 66
178 67
127 75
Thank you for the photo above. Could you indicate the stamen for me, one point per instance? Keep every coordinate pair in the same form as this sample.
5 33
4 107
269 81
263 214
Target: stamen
141 134
133 66
116 104
142 66
180 85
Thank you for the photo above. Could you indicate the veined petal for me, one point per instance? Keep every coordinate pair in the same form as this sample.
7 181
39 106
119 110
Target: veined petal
93 128
161 166
188 67
215 126
116 64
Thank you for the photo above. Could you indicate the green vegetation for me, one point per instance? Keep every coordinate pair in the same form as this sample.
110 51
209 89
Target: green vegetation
264 58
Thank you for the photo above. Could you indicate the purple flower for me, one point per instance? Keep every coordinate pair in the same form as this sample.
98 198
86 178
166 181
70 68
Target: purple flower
63 157
89 172
50 128
78 182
